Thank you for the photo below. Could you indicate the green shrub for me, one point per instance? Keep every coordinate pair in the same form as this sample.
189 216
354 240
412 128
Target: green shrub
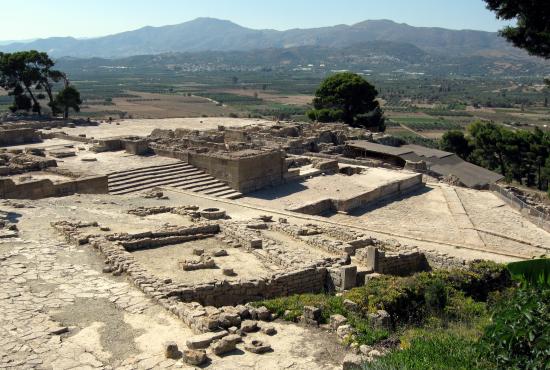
442 295
438 350
436 296
411 299
325 115
464 309
531 273
519 336
329 305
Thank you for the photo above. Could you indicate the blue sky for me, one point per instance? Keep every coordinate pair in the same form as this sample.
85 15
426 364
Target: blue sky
92 18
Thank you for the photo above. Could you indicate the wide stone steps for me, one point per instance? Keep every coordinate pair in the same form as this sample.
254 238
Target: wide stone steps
176 176
179 175
149 169
129 177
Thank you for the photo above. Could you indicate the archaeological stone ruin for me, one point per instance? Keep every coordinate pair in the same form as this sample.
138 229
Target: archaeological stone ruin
177 232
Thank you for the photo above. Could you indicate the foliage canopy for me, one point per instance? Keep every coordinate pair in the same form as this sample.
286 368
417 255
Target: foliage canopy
532 31
350 98
27 75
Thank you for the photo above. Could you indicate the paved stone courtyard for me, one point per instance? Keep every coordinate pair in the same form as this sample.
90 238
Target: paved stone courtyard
59 311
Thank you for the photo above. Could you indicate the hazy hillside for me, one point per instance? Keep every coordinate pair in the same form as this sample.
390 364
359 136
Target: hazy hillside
207 34
376 56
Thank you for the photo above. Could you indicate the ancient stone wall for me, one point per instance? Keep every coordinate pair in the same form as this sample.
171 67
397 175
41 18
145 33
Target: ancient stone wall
307 280
390 189
18 136
244 173
136 146
64 136
46 188
385 191
316 207
404 263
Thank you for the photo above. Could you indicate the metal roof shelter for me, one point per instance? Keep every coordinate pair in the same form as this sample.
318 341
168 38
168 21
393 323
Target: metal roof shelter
438 161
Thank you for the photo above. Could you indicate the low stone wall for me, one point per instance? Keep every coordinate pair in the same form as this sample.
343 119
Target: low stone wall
193 304
18 136
383 192
46 188
307 280
534 215
317 207
269 251
314 237
378 194
64 136
404 263
136 146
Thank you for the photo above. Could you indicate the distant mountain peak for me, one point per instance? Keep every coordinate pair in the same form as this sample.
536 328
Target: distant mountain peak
212 34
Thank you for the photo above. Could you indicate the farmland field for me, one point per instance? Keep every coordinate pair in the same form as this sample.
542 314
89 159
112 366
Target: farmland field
152 105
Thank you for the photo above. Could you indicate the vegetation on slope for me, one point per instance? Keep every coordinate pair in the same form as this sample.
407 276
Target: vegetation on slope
476 318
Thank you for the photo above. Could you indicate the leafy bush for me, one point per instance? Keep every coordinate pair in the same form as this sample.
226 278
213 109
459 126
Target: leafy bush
531 273
439 350
519 337
290 308
294 304
410 299
325 115
463 309
436 296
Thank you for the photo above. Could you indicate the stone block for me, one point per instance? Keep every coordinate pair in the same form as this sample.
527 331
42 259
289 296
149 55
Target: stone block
352 361
343 331
257 346
171 350
235 338
350 305
256 243
194 357
263 313
203 340
312 313
349 276
269 330
249 326
337 320
223 346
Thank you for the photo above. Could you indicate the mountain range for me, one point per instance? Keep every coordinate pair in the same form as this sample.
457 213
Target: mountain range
209 34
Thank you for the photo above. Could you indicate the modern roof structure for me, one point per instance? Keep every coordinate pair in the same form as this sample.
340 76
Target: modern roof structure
438 161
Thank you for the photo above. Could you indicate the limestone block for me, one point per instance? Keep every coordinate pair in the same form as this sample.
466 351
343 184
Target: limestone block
337 320
235 338
352 362
257 346
349 276
228 272
223 346
256 243
194 357
312 313
350 305
249 326
263 313
269 330
219 253
204 340
171 350
343 331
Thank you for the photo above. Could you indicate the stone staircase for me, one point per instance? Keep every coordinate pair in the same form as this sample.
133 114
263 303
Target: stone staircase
179 175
